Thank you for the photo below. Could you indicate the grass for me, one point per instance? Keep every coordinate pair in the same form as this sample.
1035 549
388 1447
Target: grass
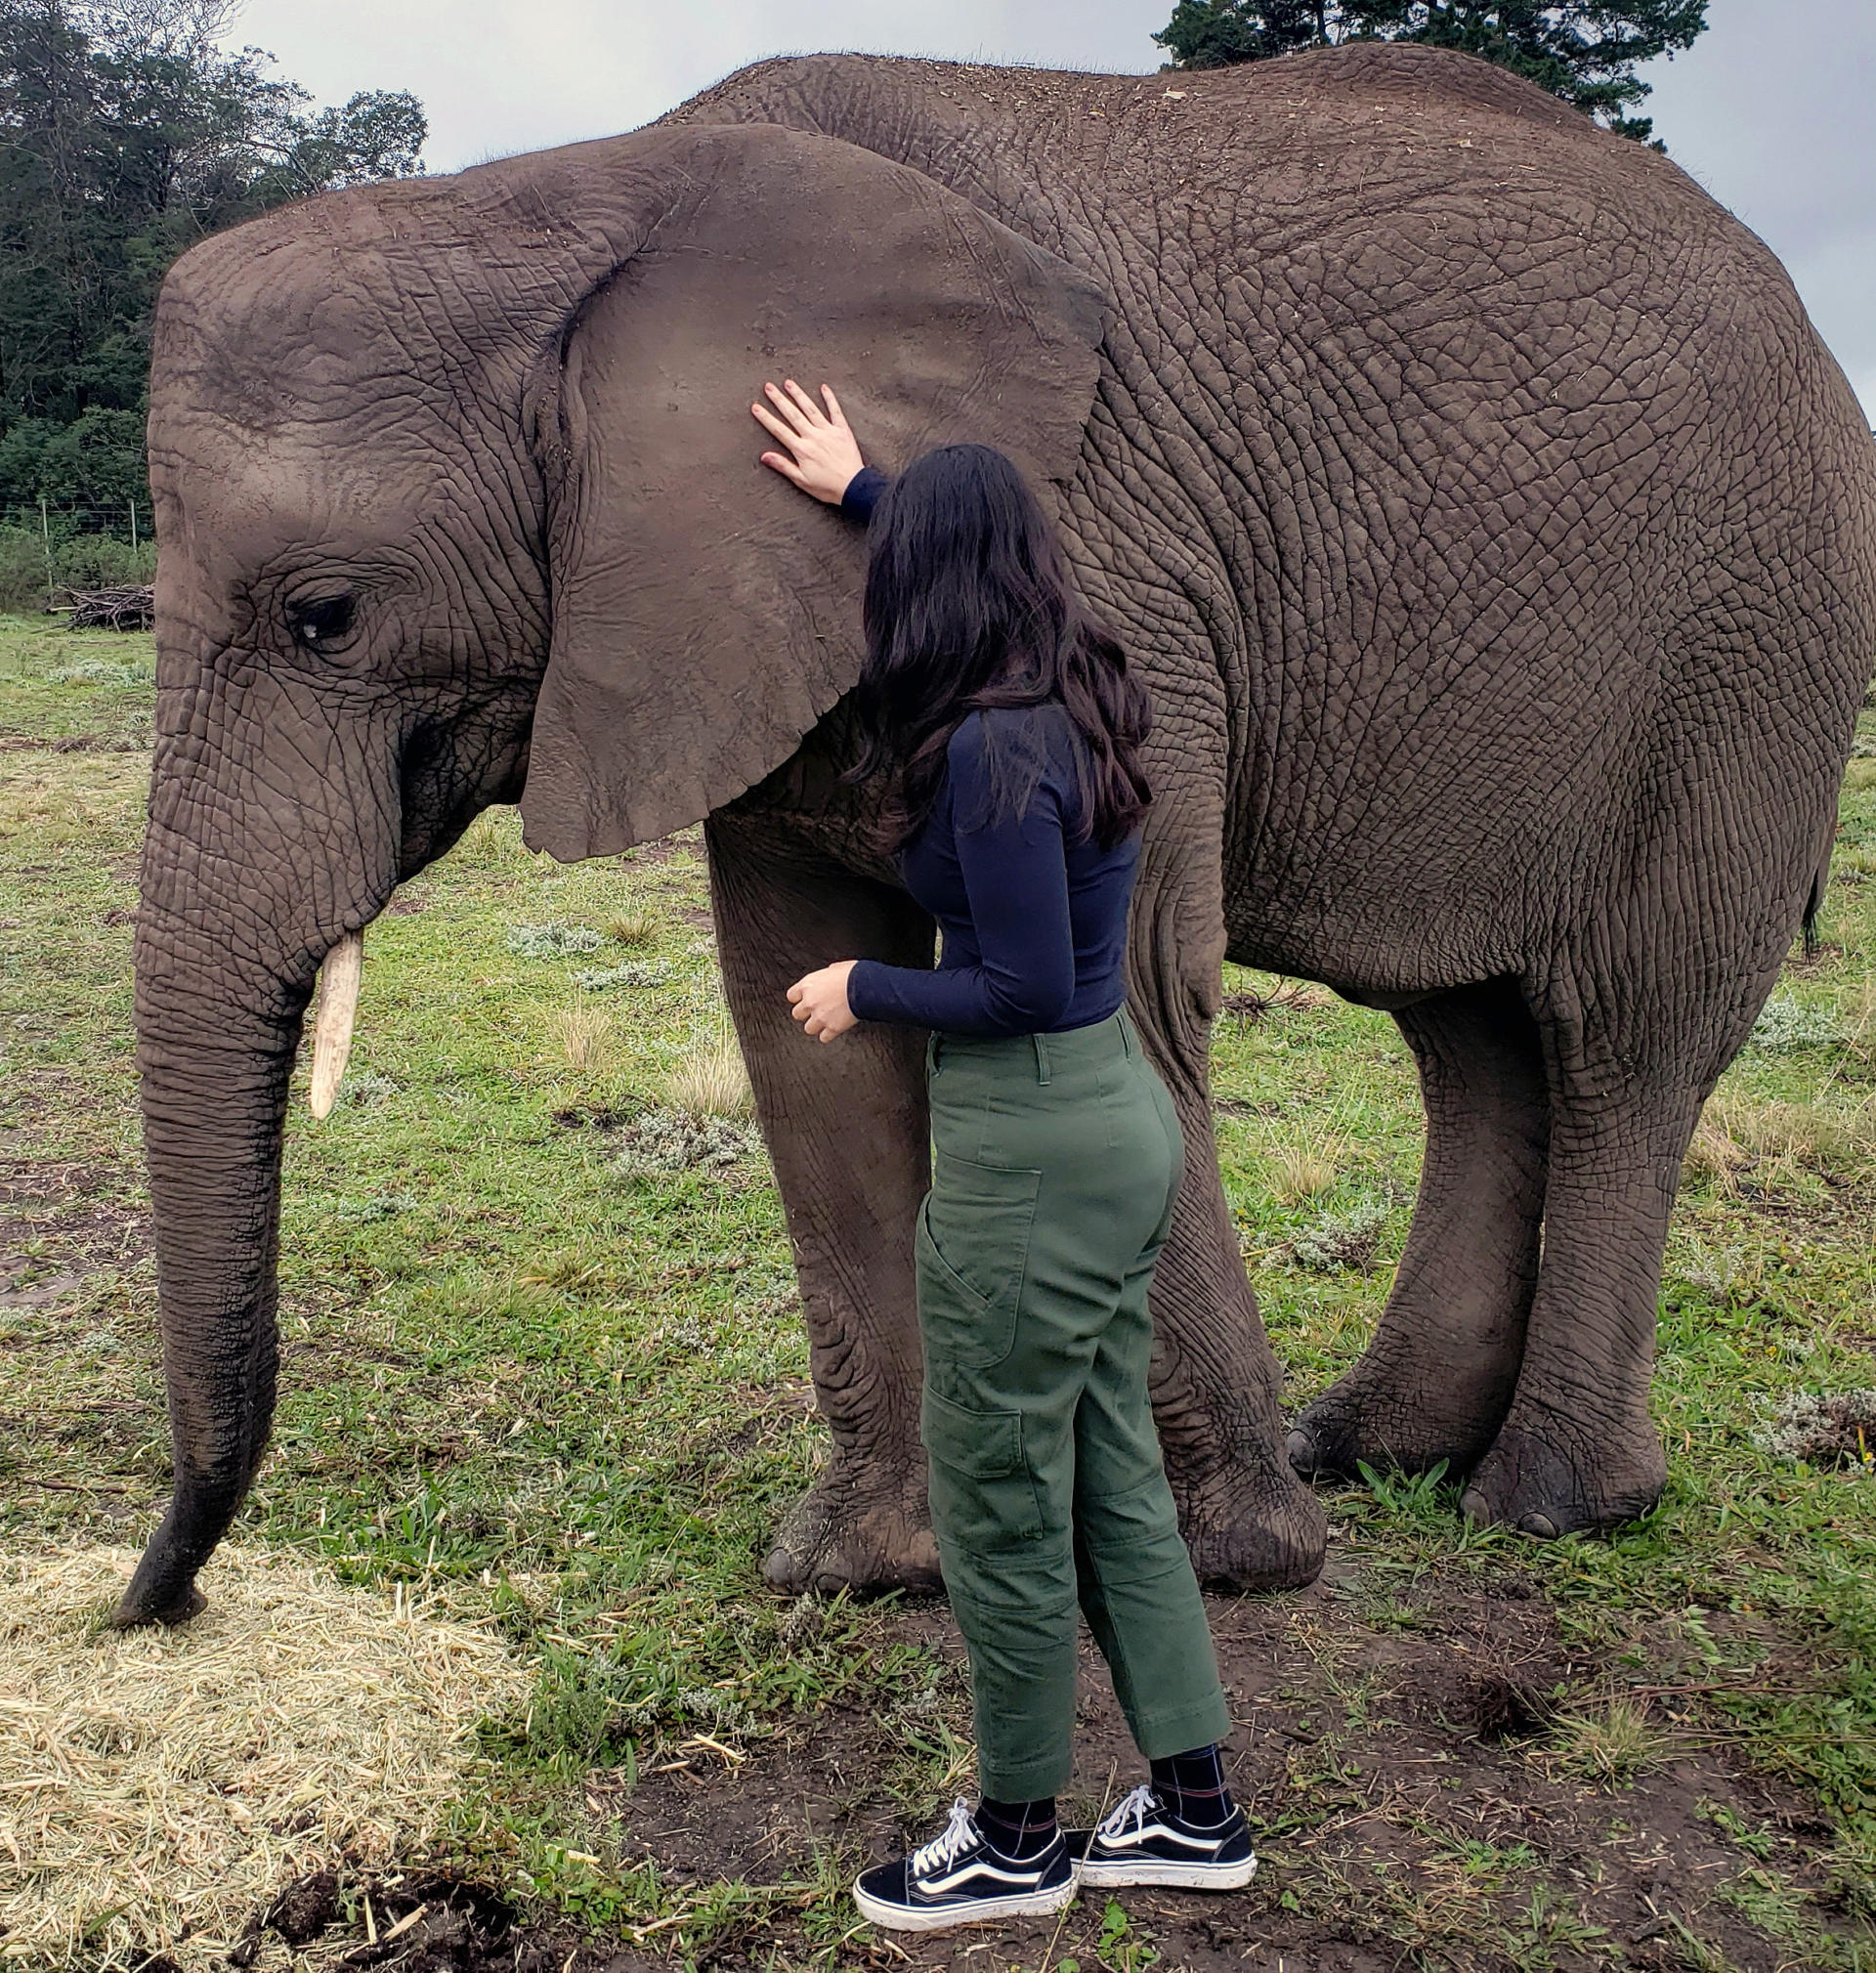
711 1082
548 1372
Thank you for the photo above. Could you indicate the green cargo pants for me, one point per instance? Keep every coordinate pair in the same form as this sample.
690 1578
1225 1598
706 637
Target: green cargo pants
1056 1161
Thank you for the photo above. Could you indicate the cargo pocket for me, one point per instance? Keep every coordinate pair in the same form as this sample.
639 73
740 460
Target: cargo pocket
982 1496
971 1246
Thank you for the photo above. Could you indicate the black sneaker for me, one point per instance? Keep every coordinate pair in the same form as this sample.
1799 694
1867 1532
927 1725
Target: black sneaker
959 1879
1143 1842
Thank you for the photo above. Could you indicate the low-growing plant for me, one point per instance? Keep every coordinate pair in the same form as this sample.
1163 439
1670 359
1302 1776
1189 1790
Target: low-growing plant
1608 1749
583 1033
551 942
636 973
712 1081
632 928
101 672
1297 1170
493 841
1821 1427
670 1141
1787 1025
1344 1241
1714 1154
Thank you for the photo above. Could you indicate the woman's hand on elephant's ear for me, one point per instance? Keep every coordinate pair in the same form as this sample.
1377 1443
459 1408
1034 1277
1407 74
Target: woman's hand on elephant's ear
822 455
701 626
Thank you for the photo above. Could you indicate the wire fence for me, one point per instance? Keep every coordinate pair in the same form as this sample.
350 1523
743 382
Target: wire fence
56 520
50 549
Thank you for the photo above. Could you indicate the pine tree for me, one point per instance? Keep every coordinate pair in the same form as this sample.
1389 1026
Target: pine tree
1583 52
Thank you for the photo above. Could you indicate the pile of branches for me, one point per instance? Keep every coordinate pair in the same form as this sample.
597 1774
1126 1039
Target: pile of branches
129 607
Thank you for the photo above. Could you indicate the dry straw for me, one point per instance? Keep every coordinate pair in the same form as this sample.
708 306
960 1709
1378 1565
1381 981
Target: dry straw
157 1787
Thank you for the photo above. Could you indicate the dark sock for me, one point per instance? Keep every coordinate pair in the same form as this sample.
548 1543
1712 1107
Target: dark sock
1018 1830
1192 1786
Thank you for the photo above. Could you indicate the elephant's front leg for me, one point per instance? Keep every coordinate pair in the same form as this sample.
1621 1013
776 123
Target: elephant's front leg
1247 1521
848 1135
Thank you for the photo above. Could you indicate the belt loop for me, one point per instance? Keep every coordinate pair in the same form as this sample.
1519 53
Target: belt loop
1042 1058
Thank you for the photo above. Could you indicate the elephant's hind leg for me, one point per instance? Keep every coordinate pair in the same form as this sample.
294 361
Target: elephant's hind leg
1578 1448
1437 1378
848 1132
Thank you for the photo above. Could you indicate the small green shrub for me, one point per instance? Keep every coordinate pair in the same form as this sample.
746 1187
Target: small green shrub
78 561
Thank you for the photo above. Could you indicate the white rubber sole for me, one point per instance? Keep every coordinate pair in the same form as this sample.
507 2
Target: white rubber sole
1023 1905
1116 1876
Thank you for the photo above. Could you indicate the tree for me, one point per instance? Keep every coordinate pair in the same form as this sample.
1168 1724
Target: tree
127 133
1583 52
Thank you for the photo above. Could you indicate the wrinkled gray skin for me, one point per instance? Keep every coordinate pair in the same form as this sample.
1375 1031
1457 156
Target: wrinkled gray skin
1493 531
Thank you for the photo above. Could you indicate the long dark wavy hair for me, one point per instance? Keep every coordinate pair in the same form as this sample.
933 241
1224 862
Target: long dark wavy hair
969 605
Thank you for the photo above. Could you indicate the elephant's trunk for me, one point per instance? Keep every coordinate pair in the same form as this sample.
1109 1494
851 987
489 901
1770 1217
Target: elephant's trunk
215 1075
254 869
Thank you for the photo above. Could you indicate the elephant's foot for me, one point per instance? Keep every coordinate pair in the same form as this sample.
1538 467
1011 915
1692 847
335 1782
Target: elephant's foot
1546 1484
1249 1525
1366 1419
866 1530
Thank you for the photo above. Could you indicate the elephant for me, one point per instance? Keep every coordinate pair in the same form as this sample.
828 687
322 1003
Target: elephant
1495 536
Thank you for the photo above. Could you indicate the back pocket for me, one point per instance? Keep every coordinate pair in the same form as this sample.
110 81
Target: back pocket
972 1251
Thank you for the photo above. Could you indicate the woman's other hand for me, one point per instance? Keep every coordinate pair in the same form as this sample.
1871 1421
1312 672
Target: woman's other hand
820 1000
822 455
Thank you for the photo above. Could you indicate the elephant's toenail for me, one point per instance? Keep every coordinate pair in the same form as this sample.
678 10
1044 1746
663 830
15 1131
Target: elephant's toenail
1300 1445
1477 1509
1539 1524
780 1570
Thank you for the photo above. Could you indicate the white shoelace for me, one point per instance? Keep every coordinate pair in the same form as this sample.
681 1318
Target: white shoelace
1130 1813
950 1843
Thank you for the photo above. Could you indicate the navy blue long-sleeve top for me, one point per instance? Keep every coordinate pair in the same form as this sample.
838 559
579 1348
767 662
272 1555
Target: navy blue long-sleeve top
1032 909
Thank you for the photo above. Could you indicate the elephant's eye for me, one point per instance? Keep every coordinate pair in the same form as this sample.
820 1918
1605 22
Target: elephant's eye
323 626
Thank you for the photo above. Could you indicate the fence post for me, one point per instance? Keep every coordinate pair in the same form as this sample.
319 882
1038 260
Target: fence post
45 534
133 526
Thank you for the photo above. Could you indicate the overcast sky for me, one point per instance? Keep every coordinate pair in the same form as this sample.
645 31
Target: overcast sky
1771 109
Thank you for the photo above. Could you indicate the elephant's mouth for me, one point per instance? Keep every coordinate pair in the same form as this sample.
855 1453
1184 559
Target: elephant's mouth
338 1011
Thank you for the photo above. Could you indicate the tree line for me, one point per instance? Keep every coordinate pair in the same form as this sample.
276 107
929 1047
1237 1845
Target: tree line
128 132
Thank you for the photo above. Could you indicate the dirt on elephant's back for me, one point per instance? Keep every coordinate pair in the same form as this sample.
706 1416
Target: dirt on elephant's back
1438 1782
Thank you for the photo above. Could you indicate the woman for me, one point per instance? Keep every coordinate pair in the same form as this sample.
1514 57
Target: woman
1009 715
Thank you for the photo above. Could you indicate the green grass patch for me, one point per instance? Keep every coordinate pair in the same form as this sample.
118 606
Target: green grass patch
543 1357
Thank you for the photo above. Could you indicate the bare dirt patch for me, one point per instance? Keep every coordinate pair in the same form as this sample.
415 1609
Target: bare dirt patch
1415 1774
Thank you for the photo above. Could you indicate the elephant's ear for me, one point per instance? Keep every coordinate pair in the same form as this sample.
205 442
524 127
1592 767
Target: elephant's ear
706 614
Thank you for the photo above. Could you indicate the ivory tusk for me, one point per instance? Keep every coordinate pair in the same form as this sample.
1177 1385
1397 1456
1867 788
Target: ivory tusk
338 1009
